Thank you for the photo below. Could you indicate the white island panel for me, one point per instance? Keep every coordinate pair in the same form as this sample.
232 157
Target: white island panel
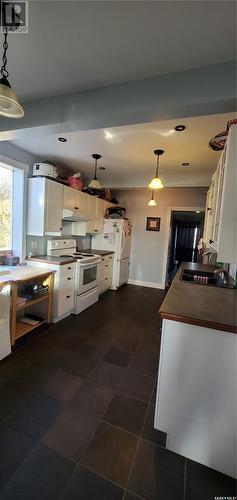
196 401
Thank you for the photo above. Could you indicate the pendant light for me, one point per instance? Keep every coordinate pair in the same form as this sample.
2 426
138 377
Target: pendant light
94 184
9 105
156 182
152 202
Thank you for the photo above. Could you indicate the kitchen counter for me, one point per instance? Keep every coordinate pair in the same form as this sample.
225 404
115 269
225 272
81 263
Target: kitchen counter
60 261
202 305
98 252
16 274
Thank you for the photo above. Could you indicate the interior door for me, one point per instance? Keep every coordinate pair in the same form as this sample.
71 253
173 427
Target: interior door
123 272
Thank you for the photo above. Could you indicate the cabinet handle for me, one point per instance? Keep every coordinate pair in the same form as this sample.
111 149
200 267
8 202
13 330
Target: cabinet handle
106 265
60 228
69 268
209 208
69 278
211 241
68 296
75 208
106 278
95 230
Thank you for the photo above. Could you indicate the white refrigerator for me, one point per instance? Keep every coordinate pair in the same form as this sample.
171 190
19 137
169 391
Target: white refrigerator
116 238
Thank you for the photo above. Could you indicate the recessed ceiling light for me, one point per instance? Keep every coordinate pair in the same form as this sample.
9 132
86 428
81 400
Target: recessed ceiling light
108 134
180 128
185 164
62 139
197 211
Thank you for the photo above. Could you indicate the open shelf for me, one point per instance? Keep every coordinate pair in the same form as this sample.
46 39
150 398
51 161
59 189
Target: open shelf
23 328
29 303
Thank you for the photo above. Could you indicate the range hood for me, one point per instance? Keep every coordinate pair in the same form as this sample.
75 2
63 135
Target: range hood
74 216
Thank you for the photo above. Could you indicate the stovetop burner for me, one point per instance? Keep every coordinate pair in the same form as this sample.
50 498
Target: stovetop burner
67 256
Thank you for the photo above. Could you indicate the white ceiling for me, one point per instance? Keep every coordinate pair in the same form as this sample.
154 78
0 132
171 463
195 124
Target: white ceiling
127 152
75 45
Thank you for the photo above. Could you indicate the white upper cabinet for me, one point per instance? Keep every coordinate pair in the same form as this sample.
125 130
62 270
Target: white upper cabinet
74 200
220 229
226 210
44 216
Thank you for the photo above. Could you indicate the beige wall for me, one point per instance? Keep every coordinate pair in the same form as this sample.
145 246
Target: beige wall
148 250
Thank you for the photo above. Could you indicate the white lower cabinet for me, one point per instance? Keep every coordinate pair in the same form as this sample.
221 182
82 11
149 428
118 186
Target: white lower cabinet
195 402
5 343
105 271
64 285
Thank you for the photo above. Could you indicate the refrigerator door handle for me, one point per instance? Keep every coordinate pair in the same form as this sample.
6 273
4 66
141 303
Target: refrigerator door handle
123 242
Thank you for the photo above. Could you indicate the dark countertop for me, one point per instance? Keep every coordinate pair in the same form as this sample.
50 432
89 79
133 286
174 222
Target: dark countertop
98 252
203 305
59 261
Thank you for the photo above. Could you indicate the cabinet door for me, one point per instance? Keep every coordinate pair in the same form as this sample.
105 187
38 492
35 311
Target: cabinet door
53 207
99 221
81 201
70 201
91 212
91 205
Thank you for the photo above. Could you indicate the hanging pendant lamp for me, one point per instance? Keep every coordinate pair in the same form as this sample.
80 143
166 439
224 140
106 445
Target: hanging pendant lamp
94 184
156 182
152 202
9 105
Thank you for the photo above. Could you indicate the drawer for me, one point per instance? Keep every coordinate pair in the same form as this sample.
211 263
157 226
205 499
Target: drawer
67 282
65 302
68 269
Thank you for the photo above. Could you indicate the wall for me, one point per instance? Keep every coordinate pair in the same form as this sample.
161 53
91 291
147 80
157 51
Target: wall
148 252
38 244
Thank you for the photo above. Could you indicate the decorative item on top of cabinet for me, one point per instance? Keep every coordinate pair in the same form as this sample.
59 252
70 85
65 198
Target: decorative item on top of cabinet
44 215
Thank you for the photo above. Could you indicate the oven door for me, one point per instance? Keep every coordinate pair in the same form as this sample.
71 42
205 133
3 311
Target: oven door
87 277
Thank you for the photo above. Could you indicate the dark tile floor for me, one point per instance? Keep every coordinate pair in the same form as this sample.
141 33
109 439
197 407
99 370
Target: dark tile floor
77 405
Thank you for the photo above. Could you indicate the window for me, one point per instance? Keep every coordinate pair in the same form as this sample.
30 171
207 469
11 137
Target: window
13 189
6 184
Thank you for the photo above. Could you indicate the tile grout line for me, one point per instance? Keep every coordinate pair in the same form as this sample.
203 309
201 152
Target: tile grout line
138 443
185 476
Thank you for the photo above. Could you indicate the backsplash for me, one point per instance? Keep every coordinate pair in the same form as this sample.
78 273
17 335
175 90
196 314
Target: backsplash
37 245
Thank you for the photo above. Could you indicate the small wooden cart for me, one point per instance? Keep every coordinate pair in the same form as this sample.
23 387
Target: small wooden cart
19 328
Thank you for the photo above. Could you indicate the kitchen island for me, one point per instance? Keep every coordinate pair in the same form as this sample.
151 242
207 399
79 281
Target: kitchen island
197 381
40 305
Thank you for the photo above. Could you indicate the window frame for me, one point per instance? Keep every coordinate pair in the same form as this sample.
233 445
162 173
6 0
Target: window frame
19 205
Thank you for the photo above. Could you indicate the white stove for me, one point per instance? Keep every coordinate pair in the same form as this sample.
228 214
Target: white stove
86 280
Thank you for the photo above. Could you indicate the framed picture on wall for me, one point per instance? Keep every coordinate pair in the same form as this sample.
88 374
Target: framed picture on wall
153 223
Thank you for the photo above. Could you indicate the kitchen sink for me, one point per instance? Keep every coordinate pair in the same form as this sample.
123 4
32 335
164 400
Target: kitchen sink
204 278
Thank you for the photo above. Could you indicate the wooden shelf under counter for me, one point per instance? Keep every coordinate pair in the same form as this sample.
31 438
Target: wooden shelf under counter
18 327
23 328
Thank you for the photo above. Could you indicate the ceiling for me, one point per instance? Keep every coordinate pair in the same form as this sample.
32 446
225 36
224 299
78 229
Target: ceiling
76 45
127 152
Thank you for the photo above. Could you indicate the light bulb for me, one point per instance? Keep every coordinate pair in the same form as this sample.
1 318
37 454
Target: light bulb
4 103
152 203
156 183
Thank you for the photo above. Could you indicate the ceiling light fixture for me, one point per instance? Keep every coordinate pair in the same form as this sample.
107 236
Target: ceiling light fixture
152 202
9 105
156 182
94 184
180 128
62 139
185 164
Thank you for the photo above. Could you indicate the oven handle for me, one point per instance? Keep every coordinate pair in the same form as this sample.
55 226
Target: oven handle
89 264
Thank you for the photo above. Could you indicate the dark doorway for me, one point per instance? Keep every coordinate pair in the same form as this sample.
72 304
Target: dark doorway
186 230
